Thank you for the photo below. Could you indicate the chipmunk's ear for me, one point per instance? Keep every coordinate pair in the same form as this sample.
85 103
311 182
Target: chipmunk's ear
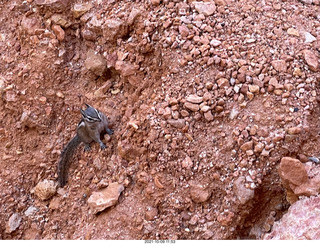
82 113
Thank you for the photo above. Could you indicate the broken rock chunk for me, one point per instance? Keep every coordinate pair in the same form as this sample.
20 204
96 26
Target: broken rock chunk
105 198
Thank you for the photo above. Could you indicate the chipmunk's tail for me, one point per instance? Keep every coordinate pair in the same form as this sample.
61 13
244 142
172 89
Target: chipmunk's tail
65 160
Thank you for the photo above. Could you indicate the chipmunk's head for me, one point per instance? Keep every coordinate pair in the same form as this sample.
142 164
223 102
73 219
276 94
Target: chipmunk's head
90 115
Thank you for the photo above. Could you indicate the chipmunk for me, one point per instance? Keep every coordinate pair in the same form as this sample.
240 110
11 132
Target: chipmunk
92 124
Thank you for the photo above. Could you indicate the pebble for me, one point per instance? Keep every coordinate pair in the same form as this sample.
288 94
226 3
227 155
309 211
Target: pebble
247 146
194 99
80 9
254 89
100 200
183 30
243 194
215 43
193 107
309 38
45 189
205 8
177 123
59 32
187 163
279 65
293 32
151 213
30 211
95 63
294 130
208 116
311 60
13 223
199 193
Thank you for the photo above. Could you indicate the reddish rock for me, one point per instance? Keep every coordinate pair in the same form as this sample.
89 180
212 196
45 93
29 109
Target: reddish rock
183 30
113 29
222 82
128 151
247 146
59 32
151 213
105 198
95 63
177 123
208 116
311 59
55 5
292 173
279 65
301 222
199 193
193 107
30 24
187 163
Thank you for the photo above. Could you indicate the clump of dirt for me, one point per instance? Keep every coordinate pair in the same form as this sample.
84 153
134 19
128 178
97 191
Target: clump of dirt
204 98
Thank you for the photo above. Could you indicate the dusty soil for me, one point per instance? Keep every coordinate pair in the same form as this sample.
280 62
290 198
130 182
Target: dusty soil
178 160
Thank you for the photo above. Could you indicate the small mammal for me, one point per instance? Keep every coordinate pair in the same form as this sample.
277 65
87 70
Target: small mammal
92 124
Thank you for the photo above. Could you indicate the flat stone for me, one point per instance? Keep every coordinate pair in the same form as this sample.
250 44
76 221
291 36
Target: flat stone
194 99
309 38
205 8
95 63
293 32
105 198
311 60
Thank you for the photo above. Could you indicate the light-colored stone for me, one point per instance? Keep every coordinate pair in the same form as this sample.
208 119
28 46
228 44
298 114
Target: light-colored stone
208 116
13 223
187 163
205 8
244 194
194 99
45 189
105 198
293 32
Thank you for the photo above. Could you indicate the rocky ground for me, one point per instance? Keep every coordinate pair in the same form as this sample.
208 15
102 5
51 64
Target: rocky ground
214 109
